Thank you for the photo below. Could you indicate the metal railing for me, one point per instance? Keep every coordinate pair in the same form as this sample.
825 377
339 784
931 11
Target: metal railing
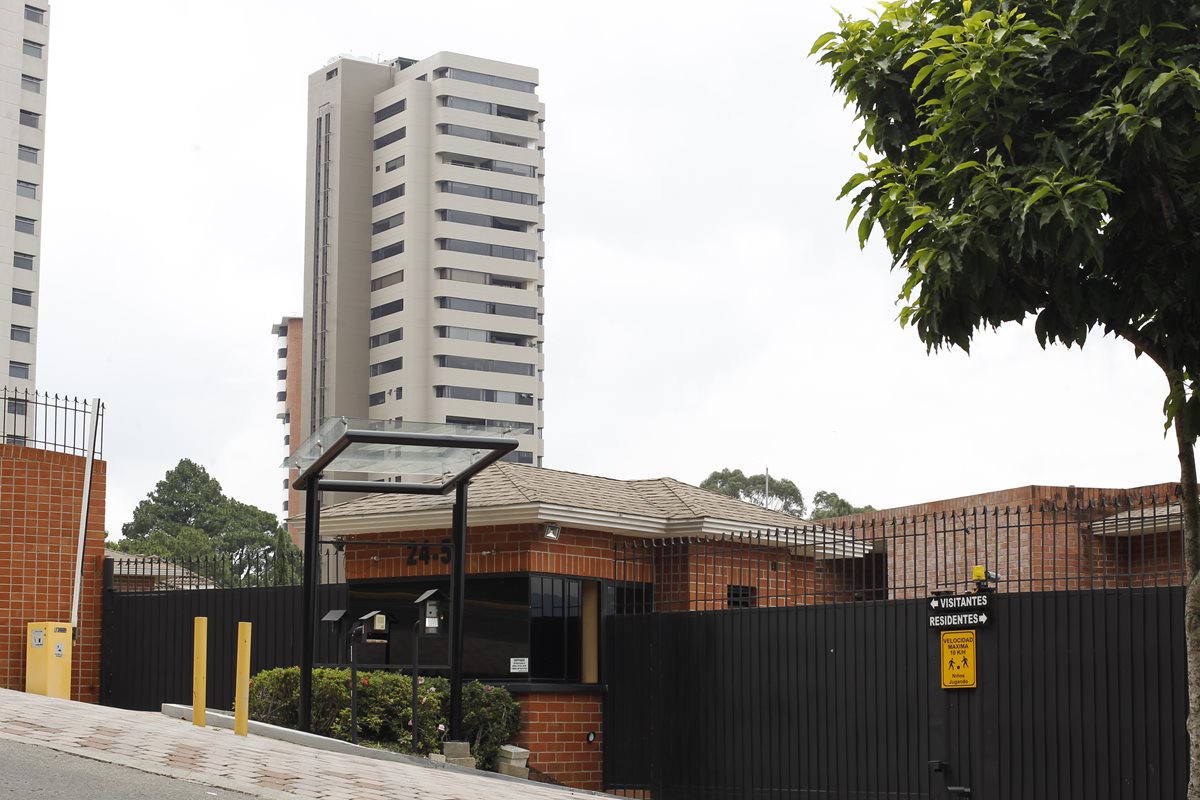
1100 542
49 422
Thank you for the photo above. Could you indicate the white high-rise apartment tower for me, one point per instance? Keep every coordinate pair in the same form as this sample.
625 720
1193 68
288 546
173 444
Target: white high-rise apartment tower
423 245
24 51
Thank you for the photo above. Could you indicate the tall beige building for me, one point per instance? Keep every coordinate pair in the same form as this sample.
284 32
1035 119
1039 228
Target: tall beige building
24 49
423 266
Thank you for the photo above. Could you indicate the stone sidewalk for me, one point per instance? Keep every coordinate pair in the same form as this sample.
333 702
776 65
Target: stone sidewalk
256 765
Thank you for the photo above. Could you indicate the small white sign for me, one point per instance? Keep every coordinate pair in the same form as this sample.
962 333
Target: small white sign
39 637
58 650
518 665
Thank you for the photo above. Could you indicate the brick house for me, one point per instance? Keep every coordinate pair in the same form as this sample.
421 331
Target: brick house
543 574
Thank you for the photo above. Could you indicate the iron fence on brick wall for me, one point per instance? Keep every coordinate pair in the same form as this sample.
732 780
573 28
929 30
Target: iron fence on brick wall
49 422
1091 543
810 663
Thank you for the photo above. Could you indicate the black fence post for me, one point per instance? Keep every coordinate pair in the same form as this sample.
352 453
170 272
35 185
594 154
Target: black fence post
458 570
312 530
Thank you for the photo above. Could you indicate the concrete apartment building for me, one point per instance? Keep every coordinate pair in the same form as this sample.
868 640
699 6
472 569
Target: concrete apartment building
423 249
24 50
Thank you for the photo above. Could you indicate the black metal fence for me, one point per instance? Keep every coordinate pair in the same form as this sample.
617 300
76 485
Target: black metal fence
49 422
810 663
149 606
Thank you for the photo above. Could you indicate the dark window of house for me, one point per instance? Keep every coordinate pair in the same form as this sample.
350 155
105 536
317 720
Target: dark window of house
741 596
554 629
495 621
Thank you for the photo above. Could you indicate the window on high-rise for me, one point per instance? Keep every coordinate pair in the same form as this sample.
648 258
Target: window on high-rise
511 426
388 195
376 398
483 395
27 153
488 192
489 164
380 339
26 225
393 163
384 310
22 261
18 369
18 408
35 14
486 307
384 367
457 74
30 119
384 281
485 278
484 365
518 457
390 111
21 333
390 250
483 107
389 138
31 48
27 189
31 84
496 137
485 249
22 297
482 220
478 335
331 74
387 223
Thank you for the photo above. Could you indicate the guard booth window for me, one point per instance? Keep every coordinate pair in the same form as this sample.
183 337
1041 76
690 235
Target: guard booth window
555 631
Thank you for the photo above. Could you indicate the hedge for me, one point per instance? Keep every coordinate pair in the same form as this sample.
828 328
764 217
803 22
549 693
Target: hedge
491 717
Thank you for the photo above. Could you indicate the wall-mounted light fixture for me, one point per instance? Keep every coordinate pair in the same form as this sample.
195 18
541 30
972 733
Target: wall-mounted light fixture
551 531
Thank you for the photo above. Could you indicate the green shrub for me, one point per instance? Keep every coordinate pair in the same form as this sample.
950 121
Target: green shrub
491 716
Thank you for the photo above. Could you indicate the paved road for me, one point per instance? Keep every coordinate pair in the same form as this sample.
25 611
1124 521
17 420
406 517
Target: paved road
29 772
257 765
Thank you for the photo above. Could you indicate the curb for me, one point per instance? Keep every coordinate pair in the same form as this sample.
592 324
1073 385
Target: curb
219 718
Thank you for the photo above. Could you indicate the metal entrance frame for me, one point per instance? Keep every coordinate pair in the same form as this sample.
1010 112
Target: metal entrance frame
420 458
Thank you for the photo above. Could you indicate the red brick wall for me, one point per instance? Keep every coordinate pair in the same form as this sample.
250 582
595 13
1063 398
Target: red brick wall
296 435
554 728
40 496
490 549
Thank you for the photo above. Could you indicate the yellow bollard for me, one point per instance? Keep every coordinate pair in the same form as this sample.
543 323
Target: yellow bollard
200 672
241 697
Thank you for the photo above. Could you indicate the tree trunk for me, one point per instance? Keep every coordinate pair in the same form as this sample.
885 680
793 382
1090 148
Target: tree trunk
1190 500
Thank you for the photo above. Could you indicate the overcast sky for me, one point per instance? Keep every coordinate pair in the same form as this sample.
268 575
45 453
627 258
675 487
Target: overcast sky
704 306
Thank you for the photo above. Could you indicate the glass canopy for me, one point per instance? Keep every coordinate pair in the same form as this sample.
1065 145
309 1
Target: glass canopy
388 456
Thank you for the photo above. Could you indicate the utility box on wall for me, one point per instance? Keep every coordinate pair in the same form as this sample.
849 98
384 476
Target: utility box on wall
48 659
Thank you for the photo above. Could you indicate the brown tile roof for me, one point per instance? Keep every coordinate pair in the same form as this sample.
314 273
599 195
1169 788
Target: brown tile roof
507 484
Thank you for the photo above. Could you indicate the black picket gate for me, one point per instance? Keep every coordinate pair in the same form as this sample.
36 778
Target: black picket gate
819 691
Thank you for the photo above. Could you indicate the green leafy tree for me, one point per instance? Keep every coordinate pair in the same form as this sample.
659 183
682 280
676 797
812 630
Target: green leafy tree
1041 159
777 494
827 505
188 519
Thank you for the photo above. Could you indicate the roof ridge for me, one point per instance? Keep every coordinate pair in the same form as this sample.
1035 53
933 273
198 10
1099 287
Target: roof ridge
670 483
503 468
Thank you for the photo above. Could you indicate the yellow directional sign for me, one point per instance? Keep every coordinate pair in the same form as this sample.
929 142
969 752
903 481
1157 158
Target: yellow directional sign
958 659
